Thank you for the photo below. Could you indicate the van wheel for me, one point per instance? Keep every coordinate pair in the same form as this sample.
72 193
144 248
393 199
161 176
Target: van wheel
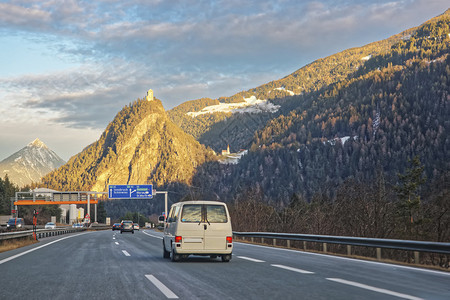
226 258
174 256
166 254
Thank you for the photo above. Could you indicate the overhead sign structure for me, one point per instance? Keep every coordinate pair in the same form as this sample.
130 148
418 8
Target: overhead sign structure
143 191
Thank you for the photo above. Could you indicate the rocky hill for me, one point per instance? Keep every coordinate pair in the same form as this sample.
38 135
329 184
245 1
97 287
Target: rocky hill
30 163
141 145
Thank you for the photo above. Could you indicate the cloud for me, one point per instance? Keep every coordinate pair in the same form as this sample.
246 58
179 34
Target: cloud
15 15
85 97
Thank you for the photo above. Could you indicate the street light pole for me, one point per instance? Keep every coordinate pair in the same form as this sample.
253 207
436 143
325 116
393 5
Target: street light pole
165 203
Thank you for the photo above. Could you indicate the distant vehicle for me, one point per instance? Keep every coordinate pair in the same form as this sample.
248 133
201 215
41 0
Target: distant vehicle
198 228
136 226
50 225
161 219
77 225
15 223
126 226
116 226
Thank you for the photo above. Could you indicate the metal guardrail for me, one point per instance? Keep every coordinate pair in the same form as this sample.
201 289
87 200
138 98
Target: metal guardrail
40 233
416 246
421 246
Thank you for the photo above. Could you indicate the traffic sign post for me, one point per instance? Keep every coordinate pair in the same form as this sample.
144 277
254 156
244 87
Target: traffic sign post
35 214
143 191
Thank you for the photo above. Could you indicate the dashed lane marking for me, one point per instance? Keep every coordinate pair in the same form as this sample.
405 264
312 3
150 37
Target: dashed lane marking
293 269
251 259
375 289
164 289
117 243
126 253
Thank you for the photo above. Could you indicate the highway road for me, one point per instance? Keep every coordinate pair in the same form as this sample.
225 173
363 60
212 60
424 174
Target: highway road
110 265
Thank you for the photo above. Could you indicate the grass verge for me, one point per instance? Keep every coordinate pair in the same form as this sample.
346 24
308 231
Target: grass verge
7 245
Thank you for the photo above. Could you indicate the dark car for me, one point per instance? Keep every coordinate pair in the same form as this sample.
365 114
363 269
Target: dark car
127 226
116 226
15 223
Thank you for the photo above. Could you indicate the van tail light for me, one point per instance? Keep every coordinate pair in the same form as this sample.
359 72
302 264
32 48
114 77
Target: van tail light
178 239
229 239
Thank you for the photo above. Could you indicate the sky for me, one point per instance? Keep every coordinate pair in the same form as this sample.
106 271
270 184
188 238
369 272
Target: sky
68 67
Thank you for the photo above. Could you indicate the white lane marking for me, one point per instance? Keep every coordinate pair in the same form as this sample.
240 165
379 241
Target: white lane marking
117 243
250 259
293 269
164 289
375 289
299 251
155 236
114 238
126 253
34 249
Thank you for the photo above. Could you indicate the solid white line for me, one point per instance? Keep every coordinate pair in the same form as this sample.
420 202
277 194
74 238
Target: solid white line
375 289
164 289
293 269
34 249
348 258
126 253
117 243
155 236
250 259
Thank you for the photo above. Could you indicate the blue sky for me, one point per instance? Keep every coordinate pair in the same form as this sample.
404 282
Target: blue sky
67 67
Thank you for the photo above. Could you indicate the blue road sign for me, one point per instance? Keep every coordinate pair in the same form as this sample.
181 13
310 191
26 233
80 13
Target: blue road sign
143 191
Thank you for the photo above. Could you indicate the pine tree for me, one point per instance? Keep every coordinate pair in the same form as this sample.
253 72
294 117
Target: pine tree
408 192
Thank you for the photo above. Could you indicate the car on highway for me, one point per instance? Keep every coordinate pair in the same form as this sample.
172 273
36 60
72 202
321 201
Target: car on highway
116 226
136 226
126 226
14 223
77 225
50 225
198 228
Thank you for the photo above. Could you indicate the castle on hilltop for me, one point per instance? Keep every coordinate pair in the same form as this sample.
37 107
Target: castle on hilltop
149 96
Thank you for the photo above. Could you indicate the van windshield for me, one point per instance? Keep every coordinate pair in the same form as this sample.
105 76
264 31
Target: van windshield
192 213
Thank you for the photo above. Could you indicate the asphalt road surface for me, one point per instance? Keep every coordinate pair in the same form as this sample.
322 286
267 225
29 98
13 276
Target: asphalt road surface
110 265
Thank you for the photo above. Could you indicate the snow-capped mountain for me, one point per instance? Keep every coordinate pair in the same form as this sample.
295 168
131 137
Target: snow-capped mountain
30 163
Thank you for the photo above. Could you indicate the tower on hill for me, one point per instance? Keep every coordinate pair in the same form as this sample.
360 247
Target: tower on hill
149 95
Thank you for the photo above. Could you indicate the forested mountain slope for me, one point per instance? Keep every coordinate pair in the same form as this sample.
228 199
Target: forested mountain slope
391 109
217 129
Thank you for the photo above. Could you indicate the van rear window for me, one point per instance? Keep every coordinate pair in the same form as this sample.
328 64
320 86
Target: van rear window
192 213
216 214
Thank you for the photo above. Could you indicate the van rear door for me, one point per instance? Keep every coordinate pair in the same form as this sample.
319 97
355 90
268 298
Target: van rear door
216 227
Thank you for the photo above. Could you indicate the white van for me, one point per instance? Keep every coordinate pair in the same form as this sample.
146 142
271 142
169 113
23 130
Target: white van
199 228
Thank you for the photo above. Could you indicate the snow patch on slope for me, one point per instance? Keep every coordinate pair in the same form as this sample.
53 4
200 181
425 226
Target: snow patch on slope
285 90
250 105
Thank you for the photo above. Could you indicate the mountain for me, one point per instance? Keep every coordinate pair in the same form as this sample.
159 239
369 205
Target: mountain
218 128
30 163
375 116
141 145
